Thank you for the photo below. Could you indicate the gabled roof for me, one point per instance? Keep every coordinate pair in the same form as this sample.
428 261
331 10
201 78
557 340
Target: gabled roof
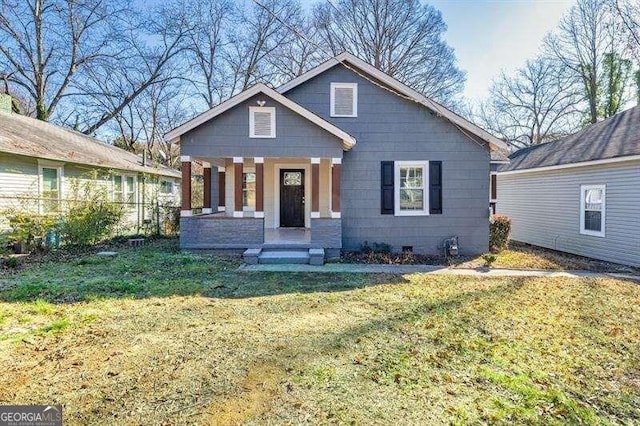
27 136
348 141
616 138
401 88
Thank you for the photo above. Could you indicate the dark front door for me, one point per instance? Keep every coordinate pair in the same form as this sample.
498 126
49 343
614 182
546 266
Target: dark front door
292 198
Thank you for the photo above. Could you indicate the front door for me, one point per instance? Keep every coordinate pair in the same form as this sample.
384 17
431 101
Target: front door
292 198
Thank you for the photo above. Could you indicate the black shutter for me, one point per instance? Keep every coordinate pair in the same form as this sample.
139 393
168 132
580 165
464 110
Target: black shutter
435 187
386 188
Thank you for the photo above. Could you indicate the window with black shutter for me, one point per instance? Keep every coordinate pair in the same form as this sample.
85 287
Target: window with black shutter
435 187
387 188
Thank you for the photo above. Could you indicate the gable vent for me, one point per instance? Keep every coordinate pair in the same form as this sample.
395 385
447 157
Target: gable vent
262 122
344 99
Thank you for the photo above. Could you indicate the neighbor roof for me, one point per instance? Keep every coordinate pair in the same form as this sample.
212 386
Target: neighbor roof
614 138
348 141
400 88
27 136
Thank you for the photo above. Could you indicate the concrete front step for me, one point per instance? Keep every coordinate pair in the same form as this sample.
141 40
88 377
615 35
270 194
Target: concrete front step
284 257
271 256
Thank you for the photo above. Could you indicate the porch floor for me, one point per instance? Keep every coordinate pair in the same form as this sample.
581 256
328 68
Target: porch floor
287 236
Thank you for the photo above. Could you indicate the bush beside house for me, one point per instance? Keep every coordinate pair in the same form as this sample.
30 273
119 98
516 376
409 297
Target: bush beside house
499 232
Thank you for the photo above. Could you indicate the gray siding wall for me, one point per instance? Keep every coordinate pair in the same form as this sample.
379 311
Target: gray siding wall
227 135
389 127
545 210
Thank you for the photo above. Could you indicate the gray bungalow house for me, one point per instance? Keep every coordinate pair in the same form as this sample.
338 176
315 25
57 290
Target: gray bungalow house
579 194
341 155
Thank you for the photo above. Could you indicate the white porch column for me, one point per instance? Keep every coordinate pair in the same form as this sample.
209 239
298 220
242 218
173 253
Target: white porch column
237 186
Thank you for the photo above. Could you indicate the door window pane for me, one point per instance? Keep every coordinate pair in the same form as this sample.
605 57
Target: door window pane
292 178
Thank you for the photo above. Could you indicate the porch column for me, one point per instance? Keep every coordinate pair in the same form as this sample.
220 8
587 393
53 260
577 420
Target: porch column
186 186
237 186
315 188
259 162
336 171
222 179
206 177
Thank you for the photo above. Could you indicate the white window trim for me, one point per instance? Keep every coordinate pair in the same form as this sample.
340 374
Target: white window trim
583 190
272 111
396 182
335 86
124 190
45 164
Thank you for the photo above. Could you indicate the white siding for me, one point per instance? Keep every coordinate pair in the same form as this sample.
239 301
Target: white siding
545 210
18 177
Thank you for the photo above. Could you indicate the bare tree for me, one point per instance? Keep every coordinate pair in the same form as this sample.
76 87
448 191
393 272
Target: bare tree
400 37
629 13
586 34
153 55
262 27
211 21
540 102
44 44
292 59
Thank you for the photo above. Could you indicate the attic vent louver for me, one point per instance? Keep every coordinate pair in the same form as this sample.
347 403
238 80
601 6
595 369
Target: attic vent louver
344 99
262 122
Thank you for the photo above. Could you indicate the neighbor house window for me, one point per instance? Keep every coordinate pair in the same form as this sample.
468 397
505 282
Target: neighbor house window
411 183
124 189
592 209
344 99
166 187
262 122
249 191
50 189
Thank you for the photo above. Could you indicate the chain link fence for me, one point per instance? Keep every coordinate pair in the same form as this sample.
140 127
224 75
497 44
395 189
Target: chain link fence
156 217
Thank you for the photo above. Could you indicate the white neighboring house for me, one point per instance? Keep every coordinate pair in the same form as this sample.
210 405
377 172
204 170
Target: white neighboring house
579 194
41 164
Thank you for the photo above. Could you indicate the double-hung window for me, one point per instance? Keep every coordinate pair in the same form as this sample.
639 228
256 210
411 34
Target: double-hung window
592 209
166 187
411 188
50 188
124 190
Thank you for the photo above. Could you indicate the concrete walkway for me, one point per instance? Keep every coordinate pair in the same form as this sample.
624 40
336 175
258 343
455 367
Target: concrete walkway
350 268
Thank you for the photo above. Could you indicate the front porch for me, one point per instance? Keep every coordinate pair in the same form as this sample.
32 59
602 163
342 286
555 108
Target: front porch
260 202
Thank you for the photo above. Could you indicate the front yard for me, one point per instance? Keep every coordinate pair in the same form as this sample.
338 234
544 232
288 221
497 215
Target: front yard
155 336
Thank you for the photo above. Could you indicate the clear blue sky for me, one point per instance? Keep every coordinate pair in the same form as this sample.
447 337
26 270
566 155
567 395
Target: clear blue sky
494 35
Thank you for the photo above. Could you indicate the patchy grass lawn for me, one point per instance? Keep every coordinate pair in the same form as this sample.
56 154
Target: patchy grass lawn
156 336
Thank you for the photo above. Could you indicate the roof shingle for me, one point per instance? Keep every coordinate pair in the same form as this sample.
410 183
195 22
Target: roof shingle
617 136
22 135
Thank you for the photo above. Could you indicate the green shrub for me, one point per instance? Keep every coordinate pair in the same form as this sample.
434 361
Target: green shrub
88 221
499 232
27 227
489 259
